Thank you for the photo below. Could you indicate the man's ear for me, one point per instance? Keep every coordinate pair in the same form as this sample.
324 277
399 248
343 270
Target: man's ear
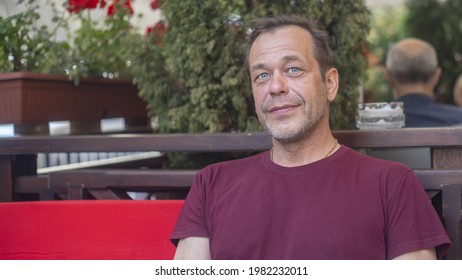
331 80
391 81
436 77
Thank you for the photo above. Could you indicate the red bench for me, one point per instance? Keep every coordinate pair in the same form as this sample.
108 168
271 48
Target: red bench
88 230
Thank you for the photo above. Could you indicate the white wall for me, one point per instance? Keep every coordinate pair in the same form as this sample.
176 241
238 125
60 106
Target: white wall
141 8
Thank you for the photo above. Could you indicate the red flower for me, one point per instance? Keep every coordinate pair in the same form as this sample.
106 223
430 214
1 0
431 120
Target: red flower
158 29
74 6
154 4
116 4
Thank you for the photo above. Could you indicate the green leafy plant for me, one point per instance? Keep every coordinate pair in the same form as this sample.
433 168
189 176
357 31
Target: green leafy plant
27 46
193 77
439 23
387 27
102 51
97 48
194 80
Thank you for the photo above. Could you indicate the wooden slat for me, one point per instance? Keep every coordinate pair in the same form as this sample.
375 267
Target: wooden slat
31 184
452 219
136 142
107 195
396 138
449 184
114 183
447 158
433 179
103 178
222 142
6 189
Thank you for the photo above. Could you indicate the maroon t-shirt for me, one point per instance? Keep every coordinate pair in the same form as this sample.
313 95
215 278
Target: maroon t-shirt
346 206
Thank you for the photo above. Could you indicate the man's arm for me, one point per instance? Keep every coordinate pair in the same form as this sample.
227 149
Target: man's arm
193 248
426 254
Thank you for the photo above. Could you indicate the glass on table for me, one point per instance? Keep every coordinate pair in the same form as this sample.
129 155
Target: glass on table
380 115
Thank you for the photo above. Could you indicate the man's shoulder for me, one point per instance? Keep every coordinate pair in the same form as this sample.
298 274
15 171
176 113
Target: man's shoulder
450 114
240 163
423 111
367 162
451 108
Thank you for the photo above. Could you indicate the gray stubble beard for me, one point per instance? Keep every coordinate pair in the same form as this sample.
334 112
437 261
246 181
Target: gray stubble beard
303 128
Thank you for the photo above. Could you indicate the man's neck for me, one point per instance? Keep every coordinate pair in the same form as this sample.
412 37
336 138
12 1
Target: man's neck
408 89
313 148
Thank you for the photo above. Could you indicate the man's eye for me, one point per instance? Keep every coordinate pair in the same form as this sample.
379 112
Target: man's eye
294 70
262 76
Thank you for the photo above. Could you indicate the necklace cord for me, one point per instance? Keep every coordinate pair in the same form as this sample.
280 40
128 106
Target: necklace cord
328 153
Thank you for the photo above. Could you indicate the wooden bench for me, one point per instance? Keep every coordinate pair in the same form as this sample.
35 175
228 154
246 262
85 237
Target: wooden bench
115 183
19 177
443 187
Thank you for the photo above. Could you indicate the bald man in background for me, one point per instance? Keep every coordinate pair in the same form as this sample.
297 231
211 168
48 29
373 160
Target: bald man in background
458 91
412 71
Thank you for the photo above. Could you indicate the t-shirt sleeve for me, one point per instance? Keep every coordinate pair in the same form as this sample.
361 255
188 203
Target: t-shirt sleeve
413 223
192 222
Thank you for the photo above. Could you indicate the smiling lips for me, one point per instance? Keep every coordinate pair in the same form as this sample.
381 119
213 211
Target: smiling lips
281 109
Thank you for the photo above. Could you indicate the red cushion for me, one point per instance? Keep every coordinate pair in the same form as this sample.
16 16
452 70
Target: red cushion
88 229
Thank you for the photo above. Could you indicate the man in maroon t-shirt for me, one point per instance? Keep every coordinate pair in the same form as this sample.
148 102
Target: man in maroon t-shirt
308 197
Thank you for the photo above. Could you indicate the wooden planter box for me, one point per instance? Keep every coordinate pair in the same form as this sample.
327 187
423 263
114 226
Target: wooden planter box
33 99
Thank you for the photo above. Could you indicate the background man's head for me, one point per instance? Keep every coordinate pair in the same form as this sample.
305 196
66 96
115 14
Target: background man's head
412 62
458 91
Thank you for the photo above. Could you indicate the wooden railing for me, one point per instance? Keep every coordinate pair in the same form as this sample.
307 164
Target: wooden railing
18 168
19 178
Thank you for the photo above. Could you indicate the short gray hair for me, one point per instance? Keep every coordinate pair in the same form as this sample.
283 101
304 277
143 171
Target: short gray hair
321 48
408 65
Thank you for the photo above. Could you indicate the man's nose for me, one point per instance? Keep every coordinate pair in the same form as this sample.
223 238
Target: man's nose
278 84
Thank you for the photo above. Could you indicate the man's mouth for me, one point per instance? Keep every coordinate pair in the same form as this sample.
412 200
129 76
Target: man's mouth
281 109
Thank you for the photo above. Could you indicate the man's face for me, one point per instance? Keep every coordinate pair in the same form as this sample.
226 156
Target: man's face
291 97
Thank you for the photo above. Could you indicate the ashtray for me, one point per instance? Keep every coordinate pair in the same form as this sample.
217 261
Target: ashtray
380 115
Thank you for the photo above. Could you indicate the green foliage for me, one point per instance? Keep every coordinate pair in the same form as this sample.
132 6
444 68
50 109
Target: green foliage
348 23
194 80
26 46
94 49
387 27
439 23
101 51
